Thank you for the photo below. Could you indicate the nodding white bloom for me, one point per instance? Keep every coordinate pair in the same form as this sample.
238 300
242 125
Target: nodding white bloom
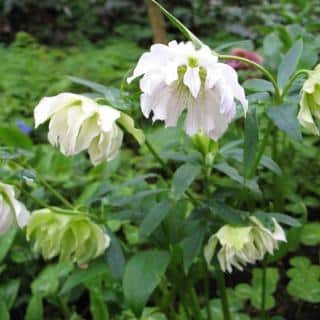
242 245
309 114
178 76
12 211
78 123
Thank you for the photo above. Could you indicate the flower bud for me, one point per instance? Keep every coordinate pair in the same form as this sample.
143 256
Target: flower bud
242 245
73 238
309 114
12 212
78 123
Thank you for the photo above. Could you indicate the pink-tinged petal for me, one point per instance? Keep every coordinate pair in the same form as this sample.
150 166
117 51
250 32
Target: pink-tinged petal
192 80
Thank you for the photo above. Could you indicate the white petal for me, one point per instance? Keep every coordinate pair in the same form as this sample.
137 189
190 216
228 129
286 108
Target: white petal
193 119
231 79
192 80
58 127
107 117
150 82
49 105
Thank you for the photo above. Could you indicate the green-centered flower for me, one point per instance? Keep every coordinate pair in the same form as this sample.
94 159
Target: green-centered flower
309 114
243 244
71 237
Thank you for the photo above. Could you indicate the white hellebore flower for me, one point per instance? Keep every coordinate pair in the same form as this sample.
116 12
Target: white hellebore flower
12 212
78 123
178 77
242 245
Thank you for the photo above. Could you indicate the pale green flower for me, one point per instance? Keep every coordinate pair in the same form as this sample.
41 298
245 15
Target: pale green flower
12 211
71 237
309 114
242 245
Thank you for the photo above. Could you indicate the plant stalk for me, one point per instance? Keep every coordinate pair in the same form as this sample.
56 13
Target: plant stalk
223 292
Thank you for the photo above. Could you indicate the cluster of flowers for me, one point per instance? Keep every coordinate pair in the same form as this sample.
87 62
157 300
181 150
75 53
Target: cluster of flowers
174 78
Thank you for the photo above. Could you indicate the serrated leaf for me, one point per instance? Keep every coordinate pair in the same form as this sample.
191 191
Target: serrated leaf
289 63
142 275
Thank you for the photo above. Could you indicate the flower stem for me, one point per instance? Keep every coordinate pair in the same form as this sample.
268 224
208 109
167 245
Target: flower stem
261 150
292 80
54 192
263 290
195 303
167 170
257 66
223 292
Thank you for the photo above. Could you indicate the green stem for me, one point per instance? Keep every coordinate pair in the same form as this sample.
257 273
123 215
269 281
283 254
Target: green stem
54 192
223 292
257 66
207 291
292 80
195 303
263 290
167 170
261 150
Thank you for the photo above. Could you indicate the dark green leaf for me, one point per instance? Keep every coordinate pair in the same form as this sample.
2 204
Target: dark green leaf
191 246
251 139
13 137
284 117
284 218
35 308
81 275
115 256
258 85
289 63
142 275
310 234
154 218
4 313
98 307
227 213
6 241
183 178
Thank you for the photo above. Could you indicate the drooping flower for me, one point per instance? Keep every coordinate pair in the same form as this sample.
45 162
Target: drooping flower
78 123
242 245
177 77
309 114
12 211
73 238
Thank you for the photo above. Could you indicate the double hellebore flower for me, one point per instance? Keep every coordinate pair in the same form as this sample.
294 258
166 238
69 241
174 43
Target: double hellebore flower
71 237
242 245
12 212
177 77
309 114
78 123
